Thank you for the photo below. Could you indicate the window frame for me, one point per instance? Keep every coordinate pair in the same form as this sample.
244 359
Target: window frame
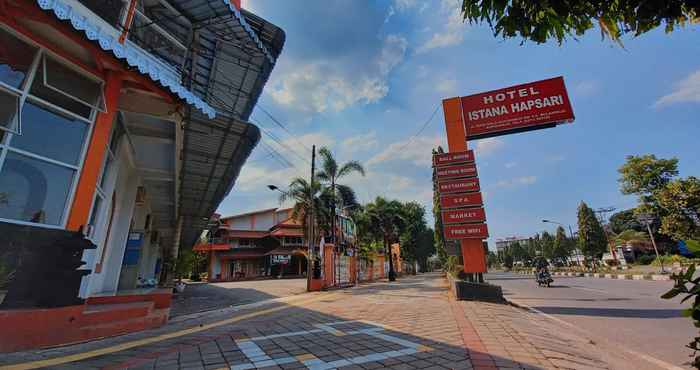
24 93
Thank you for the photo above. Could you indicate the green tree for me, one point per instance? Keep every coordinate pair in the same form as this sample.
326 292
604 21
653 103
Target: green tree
591 236
329 174
414 236
631 236
439 237
562 246
680 200
547 244
625 220
540 21
646 176
387 221
426 248
306 197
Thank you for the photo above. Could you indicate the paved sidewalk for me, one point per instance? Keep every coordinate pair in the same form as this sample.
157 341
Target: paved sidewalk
410 324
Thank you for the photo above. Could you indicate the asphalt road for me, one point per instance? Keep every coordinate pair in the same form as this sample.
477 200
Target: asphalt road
626 315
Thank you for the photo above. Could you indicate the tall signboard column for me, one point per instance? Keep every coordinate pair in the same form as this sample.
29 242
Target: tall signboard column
520 108
458 186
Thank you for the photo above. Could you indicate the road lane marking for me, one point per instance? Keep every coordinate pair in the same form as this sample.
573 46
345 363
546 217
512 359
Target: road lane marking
653 360
141 342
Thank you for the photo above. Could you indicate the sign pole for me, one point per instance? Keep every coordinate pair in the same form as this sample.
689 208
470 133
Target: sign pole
473 257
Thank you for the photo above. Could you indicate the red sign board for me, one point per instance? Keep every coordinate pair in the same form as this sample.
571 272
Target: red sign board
452 158
459 216
466 231
458 186
458 170
517 108
461 200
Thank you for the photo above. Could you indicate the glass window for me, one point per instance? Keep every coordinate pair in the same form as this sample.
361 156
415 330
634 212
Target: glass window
16 58
9 106
72 84
33 190
50 134
41 91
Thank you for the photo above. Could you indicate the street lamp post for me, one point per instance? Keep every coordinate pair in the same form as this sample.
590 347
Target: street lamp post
571 233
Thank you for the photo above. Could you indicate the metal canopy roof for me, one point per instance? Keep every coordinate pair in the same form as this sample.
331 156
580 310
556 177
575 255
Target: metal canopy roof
212 156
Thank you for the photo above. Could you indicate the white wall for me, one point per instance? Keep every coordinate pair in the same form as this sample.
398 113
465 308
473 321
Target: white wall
264 221
125 188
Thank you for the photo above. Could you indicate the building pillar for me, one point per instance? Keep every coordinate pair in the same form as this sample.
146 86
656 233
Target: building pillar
85 191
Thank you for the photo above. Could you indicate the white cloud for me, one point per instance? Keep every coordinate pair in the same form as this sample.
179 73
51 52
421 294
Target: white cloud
687 91
418 151
511 164
255 176
525 180
488 146
359 143
447 86
325 86
405 4
453 31
586 88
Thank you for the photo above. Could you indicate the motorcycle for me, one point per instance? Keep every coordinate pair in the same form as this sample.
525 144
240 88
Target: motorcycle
544 278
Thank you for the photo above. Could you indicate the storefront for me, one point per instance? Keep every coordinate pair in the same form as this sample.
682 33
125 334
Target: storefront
112 157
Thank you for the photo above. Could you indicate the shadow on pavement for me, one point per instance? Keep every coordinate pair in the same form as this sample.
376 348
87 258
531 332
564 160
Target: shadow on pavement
291 336
611 312
200 297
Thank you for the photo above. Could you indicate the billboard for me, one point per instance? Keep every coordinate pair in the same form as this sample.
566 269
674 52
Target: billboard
458 170
458 216
452 158
525 107
461 200
466 231
458 186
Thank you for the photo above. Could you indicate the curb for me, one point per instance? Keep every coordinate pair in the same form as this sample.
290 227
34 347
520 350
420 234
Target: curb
651 277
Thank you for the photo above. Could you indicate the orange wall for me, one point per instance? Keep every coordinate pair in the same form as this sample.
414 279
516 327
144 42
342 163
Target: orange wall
95 155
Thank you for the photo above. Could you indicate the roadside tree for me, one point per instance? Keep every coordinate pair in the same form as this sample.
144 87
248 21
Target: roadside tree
591 236
540 21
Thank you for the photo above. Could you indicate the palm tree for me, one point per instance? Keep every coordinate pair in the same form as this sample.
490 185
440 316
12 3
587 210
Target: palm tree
387 222
306 198
329 175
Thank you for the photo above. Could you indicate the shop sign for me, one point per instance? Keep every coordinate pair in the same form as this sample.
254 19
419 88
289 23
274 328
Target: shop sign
458 186
458 170
452 158
525 107
466 231
459 216
461 200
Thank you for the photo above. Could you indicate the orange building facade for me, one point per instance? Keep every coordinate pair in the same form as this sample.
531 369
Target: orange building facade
117 143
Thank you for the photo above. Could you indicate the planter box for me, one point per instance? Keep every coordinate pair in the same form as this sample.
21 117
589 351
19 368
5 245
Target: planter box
468 291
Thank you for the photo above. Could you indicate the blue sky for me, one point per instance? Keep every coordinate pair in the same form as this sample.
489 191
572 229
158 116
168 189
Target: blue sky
362 77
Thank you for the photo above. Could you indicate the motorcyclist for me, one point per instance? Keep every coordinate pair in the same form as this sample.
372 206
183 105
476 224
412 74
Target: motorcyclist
542 265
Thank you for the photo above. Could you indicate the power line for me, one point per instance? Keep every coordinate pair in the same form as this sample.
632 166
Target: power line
280 124
410 140
279 141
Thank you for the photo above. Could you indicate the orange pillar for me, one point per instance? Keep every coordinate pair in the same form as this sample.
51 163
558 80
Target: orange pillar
472 249
94 157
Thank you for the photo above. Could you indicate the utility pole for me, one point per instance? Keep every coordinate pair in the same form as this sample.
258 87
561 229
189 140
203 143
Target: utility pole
647 219
312 216
602 217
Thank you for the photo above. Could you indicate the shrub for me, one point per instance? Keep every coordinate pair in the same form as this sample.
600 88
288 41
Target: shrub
686 285
645 259
669 260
